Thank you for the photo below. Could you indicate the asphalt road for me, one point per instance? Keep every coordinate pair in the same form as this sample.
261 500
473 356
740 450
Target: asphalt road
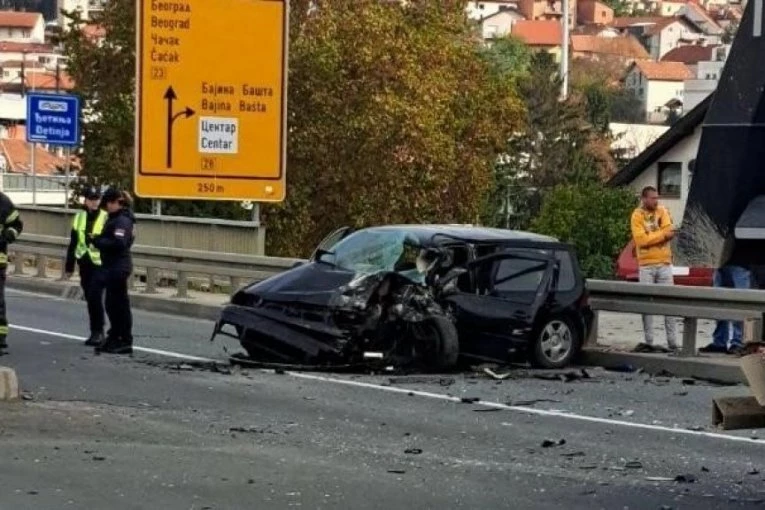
157 431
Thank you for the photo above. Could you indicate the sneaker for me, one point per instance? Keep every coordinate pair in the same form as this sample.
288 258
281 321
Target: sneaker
714 348
95 340
644 348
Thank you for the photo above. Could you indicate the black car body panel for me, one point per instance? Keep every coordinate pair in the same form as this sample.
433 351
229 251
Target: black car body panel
362 293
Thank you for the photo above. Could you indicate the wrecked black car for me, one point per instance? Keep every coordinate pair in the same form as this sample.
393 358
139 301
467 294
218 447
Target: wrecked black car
424 294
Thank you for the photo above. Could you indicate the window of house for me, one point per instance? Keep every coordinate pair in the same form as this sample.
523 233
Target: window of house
669 177
26 33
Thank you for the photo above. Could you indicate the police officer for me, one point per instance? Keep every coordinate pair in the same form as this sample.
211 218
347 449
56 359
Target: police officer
114 243
10 229
89 222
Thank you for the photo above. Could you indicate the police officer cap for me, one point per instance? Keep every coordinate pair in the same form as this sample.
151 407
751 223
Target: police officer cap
91 193
112 195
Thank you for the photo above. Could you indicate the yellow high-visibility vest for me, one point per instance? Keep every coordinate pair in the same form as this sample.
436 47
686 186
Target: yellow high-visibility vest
78 225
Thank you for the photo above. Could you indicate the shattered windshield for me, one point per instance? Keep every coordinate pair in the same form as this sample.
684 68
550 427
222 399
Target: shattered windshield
372 251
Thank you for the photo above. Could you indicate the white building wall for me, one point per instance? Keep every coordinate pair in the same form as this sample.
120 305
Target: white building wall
684 152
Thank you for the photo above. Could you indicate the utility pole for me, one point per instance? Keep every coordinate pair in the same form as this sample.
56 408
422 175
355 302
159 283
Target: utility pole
67 149
34 145
564 48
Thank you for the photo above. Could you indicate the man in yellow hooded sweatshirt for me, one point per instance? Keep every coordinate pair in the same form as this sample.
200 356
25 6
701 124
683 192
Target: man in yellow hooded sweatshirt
652 231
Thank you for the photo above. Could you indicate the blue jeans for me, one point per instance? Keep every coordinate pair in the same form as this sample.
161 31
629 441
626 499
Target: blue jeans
732 277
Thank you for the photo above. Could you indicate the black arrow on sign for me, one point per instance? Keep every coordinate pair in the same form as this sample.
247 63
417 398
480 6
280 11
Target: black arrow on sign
188 112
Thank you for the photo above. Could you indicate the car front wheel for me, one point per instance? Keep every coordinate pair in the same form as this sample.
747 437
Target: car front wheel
556 343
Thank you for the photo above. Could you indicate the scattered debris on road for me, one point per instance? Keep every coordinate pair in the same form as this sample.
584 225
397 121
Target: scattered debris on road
634 464
470 400
524 403
547 443
688 478
413 451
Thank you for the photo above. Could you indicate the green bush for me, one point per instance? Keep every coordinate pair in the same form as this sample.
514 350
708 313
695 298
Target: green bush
593 218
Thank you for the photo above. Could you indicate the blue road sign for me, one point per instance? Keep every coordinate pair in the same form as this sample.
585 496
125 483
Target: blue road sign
53 119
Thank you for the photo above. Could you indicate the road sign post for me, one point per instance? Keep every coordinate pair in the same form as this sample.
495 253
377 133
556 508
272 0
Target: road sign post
211 99
52 119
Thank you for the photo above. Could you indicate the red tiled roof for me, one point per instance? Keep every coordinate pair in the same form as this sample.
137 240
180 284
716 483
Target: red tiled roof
689 55
624 46
47 81
19 19
19 47
539 32
664 71
17 154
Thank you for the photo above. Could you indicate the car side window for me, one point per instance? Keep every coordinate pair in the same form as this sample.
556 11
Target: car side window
519 275
566 277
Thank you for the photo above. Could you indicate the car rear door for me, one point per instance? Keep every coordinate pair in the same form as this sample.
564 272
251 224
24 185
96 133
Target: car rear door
511 286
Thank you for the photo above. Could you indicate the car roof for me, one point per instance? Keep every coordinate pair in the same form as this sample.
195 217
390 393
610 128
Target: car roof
425 233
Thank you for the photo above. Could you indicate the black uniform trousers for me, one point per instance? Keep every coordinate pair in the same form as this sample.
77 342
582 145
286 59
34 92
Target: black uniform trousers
118 305
94 293
3 315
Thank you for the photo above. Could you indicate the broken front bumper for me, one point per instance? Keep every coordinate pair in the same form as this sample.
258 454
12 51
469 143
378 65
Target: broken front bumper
283 338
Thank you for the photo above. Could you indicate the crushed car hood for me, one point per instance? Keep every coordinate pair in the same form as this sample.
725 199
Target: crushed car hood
312 284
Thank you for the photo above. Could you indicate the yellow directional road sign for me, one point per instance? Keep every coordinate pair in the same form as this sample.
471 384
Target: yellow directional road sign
211 99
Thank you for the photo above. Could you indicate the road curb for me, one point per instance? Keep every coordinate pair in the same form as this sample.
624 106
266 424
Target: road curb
722 370
9 384
152 303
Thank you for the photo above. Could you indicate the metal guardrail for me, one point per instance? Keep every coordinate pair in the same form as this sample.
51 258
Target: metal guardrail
24 182
152 262
684 302
687 303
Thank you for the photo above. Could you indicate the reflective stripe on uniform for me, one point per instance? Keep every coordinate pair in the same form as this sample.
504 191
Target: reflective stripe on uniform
3 330
12 217
79 224
12 231
3 258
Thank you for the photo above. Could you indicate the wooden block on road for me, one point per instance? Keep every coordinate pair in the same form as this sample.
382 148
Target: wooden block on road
9 384
731 413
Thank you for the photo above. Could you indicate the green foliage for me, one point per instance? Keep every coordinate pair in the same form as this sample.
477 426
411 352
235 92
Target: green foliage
393 117
509 57
556 145
592 217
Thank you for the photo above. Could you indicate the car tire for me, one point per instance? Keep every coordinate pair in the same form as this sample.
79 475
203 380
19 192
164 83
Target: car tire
556 343
444 354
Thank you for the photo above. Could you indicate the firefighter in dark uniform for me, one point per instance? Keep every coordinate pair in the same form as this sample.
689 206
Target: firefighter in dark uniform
10 229
89 222
114 243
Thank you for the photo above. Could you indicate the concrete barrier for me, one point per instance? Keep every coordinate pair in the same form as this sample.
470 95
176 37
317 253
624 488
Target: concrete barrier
9 384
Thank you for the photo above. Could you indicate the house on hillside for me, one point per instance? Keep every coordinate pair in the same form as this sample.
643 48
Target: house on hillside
541 35
480 10
596 29
15 157
660 35
706 77
659 86
499 24
549 10
625 49
690 55
668 162
22 27
593 12
704 21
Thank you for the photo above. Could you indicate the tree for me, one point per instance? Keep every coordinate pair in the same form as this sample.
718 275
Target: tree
593 218
730 32
556 145
393 118
107 93
509 57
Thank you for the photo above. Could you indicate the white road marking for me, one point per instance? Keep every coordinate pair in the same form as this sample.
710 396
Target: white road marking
436 396
148 350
